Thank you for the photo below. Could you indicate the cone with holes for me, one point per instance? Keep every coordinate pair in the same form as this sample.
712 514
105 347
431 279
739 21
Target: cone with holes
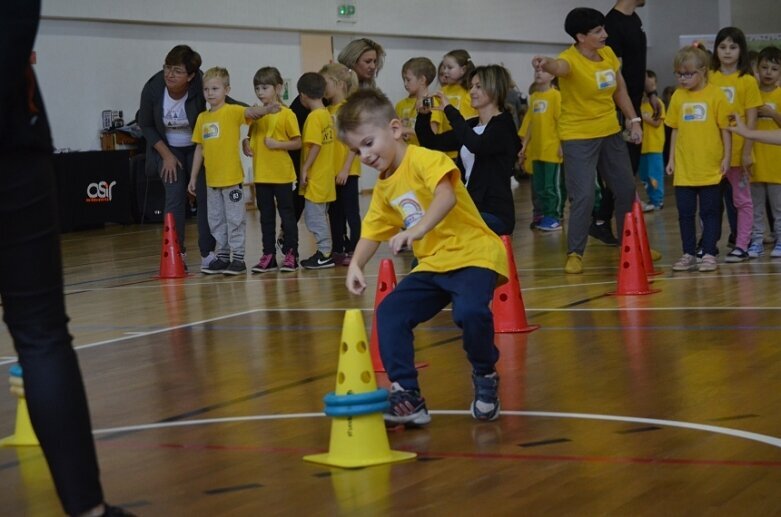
509 311
358 435
24 435
631 273
642 234
386 282
171 262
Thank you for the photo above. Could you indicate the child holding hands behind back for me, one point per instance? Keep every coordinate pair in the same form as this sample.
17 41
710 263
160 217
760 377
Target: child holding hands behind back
420 202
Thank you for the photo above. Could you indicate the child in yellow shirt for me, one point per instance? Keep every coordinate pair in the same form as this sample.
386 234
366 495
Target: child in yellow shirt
417 73
419 202
651 167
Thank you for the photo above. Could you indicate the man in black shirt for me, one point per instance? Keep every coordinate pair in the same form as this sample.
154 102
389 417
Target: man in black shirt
625 35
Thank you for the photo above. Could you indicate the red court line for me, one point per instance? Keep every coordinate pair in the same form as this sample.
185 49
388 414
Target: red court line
462 455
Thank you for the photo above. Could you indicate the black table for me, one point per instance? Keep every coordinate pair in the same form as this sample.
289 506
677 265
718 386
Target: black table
94 188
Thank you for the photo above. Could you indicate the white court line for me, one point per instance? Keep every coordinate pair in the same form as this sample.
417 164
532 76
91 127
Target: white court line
737 433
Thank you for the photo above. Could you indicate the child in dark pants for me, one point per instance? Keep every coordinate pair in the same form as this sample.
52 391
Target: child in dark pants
419 202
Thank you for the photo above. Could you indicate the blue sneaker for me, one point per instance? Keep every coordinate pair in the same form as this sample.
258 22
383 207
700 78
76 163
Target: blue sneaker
485 406
756 249
549 224
407 407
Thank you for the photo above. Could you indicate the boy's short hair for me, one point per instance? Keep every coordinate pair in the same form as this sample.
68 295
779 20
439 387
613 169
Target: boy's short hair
185 56
267 75
312 85
650 73
217 72
366 106
581 20
420 67
770 54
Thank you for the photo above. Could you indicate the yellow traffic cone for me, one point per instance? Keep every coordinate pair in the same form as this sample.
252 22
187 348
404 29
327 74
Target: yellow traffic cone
358 436
23 433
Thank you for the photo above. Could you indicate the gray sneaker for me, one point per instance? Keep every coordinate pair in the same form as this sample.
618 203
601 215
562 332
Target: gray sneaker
205 261
486 405
236 267
216 267
686 263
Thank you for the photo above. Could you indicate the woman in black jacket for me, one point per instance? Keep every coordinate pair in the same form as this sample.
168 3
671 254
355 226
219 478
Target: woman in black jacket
487 144
170 103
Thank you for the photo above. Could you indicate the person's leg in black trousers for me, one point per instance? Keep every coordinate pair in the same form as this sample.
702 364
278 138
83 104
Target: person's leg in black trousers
31 287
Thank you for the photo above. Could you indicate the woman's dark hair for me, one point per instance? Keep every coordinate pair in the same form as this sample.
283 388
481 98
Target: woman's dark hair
737 36
184 55
581 20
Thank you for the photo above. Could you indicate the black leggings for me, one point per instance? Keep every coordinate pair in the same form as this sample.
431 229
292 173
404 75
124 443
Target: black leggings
31 288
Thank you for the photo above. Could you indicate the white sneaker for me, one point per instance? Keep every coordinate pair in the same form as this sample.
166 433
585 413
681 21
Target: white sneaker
205 261
756 250
776 253
648 207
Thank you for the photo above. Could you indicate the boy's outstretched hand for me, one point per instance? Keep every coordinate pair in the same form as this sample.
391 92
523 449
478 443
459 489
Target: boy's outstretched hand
355 282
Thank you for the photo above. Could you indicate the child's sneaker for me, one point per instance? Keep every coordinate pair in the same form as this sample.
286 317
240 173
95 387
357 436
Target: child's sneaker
574 265
549 224
648 207
205 261
736 255
236 267
267 263
318 261
216 266
535 221
686 263
290 262
347 258
776 253
485 406
756 250
406 407
708 264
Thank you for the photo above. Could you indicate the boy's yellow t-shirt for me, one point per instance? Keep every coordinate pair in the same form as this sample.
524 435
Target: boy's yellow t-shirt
460 240
273 165
319 130
742 92
699 150
407 113
545 110
218 133
587 106
653 137
340 149
767 157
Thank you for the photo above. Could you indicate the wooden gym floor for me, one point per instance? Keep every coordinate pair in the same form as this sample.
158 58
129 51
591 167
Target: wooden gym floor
207 392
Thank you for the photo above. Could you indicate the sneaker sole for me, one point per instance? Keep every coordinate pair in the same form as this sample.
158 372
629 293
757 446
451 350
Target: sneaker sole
488 417
284 269
324 266
419 418
234 273
212 271
258 270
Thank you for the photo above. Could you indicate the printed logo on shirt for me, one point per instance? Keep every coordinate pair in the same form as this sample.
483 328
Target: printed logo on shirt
605 79
410 208
772 106
540 106
729 91
455 100
695 112
328 135
408 117
211 130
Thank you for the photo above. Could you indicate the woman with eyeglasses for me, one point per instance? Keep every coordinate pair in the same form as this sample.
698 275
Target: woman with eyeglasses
170 103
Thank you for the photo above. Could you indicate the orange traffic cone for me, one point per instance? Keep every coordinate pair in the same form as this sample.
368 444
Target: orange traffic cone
642 234
507 306
386 282
171 262
631 273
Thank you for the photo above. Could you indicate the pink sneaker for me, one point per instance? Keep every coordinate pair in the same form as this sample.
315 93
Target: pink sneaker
290 262
267 263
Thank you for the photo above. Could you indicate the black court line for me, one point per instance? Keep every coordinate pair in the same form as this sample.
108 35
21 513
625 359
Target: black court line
544 442
734 417
228 489
639 430
573 304
429 458
9 465
322 475
134 504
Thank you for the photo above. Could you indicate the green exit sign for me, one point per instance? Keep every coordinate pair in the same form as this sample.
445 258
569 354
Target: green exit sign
345 11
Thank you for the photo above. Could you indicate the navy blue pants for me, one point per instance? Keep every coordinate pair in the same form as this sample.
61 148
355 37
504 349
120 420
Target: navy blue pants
31 288
421 296
710 212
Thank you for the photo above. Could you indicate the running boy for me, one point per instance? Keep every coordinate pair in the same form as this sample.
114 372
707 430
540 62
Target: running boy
317 168
216 134
420 202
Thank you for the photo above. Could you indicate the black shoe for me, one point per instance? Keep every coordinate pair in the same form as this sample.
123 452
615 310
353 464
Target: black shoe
215 267
236 267
603 232
318 261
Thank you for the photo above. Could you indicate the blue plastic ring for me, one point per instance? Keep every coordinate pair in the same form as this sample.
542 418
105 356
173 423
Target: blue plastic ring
351 399
357 410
